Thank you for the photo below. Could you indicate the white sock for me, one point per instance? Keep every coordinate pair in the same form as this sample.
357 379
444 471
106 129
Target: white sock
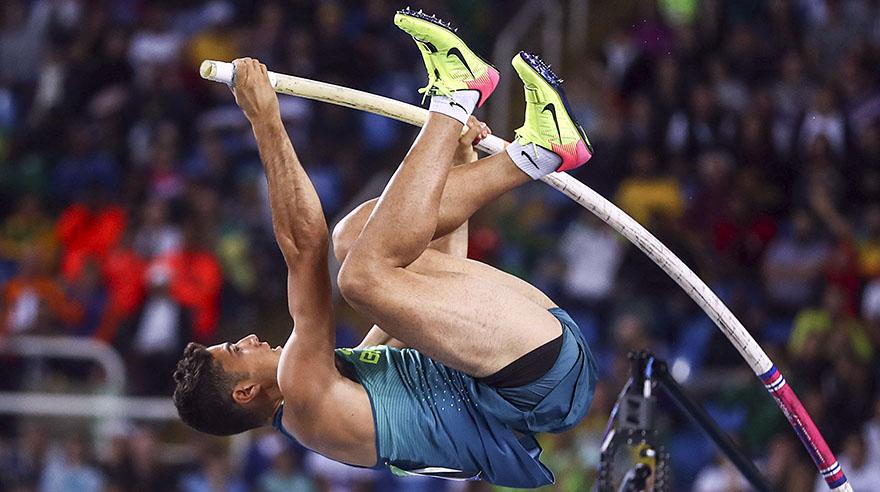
533 160
459 106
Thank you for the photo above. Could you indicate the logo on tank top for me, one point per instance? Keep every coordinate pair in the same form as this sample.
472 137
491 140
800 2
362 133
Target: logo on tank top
370 356
367 355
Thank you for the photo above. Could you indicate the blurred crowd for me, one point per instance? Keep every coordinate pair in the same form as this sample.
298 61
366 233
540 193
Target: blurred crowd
743 134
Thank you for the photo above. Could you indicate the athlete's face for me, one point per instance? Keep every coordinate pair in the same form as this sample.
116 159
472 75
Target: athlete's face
251 357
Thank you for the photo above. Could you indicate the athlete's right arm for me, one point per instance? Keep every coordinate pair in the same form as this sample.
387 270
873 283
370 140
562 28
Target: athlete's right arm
299 225
324 410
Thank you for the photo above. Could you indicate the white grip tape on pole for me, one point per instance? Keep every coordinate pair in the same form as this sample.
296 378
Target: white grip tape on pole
224 72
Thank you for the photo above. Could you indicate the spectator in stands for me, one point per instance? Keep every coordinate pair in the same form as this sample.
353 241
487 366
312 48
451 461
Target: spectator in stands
836 327
88 292
115 461
124 274
34 298
166 182
155 45
824 119
22 463
85 169
730 92
210 161
872 435
630 334
785 472
720 476
148 472
70 469
711 202
257 459
861 473
22 38
793 265
867 152
565 455
156 235
648 191
869 243
849 390
214 475
833 27
89 229
154 337
699 126
26 229
336 477
194 278
793 89
589 279
284 476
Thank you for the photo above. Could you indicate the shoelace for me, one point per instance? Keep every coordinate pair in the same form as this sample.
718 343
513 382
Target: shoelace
518 136
433 88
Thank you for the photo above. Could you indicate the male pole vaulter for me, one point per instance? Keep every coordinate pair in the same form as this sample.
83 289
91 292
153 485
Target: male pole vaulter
492 359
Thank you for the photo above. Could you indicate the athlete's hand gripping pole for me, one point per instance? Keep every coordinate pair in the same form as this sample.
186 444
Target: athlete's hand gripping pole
747 346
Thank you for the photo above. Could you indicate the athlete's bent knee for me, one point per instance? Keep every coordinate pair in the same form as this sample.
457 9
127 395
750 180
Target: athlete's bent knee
343 238
358 281
349 229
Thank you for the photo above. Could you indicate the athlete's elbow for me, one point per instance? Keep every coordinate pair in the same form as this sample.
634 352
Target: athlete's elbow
301 244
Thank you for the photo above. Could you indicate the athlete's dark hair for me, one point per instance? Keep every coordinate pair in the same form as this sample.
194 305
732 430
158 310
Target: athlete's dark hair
203 395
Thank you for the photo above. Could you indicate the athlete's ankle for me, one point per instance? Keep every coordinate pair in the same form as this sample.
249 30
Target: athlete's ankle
458 105
532 159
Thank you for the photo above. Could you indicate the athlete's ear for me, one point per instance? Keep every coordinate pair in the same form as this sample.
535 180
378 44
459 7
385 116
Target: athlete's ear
245 391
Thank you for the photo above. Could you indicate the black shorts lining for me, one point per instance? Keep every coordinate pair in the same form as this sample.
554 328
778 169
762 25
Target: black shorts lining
528 368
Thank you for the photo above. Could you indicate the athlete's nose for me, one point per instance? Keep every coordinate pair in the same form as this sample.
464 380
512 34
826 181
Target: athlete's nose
250 339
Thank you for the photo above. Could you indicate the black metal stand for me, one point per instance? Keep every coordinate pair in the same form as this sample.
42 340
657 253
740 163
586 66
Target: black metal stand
701 418
633 416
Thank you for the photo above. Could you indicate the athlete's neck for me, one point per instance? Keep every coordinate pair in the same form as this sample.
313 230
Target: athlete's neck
277 401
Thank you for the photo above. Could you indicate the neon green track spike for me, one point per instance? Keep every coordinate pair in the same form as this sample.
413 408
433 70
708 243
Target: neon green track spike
451 64
549 123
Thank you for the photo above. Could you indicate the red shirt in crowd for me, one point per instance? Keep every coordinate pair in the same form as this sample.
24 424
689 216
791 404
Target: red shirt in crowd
196 279
85 234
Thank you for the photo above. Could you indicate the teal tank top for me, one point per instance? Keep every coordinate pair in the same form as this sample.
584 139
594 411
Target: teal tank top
437 421
429 421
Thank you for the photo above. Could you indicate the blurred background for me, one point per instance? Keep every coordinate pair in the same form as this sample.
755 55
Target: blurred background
133 218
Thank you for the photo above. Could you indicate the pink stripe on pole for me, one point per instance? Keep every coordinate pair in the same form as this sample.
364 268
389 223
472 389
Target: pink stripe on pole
805 428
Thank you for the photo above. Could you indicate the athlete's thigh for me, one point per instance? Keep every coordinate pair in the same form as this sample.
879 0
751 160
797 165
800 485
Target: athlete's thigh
464 314
433 262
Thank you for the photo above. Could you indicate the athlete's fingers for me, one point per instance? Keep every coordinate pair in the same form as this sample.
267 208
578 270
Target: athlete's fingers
472 133
241 72
264 72
484 131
